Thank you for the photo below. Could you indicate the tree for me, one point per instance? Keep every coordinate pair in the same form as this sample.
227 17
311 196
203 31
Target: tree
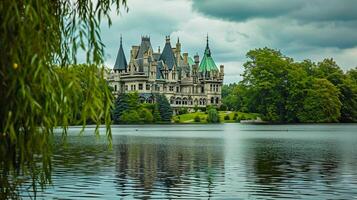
265 78
212 116
121 105
39 80
164 108
156 113
321 103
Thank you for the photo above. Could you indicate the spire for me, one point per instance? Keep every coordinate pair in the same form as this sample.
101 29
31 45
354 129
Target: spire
207 64
207 47
178 39
120 62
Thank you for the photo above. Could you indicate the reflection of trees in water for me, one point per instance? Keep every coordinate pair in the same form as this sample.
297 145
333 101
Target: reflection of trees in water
274 164
167 165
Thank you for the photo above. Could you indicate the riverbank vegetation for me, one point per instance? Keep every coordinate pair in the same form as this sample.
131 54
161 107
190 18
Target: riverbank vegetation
224 117
283 90
129 110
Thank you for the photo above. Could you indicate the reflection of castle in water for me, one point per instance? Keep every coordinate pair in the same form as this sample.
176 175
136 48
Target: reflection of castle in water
169 166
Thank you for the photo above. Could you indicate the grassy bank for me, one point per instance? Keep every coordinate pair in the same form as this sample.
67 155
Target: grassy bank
232 117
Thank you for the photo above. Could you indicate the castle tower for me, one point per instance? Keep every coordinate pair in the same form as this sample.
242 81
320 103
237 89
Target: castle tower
120 62
207 66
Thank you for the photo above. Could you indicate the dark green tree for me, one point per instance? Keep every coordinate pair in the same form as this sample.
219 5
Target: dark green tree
164 108
156 113
121 105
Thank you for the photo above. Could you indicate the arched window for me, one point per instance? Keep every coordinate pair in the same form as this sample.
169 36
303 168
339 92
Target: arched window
184 101
212 100
217 100
178 101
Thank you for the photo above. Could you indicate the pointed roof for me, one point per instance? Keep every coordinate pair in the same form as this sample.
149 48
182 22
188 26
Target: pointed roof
120 62
144 46
167 54
207 64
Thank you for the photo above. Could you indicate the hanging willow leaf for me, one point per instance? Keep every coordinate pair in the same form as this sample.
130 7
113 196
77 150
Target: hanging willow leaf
42 86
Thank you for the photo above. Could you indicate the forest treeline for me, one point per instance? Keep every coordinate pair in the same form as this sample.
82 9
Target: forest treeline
283 90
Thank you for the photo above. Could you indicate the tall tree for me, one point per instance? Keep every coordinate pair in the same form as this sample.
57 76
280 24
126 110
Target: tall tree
164 108
265 77
120 106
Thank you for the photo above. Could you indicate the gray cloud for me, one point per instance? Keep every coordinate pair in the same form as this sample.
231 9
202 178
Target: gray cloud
305 10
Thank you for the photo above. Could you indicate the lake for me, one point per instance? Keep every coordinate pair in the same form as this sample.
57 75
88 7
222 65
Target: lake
208 161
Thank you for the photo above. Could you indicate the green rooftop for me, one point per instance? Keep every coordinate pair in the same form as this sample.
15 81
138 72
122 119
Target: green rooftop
207 64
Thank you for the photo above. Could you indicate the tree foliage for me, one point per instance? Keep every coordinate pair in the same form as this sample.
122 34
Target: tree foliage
41 87
212 116
164 108
286 91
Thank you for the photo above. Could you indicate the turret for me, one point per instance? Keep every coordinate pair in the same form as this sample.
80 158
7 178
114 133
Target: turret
221 71
120 62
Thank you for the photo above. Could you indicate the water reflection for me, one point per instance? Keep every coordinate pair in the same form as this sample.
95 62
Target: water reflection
235 163
174 167
300 168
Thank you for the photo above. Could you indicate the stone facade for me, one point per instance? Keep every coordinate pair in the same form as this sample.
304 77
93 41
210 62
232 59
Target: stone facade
186 82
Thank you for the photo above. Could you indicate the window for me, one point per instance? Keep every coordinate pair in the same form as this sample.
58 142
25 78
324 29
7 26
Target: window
126 87
171 88
157 88
177 89
115 87
202 89
147 86
140 86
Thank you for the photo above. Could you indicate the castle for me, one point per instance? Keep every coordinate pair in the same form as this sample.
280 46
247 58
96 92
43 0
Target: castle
186 82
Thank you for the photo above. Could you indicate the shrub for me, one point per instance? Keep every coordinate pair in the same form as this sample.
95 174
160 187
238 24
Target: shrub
130 117
213 116
146 116
227 117
235 116
183 111
223 107
197 118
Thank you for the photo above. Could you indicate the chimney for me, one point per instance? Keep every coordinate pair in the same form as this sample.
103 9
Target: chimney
185 58
178 46
197 58
221 70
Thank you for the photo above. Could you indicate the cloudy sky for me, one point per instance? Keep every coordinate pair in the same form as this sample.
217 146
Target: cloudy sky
301 29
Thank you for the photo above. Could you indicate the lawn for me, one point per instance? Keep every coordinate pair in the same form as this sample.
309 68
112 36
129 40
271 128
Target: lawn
189 117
